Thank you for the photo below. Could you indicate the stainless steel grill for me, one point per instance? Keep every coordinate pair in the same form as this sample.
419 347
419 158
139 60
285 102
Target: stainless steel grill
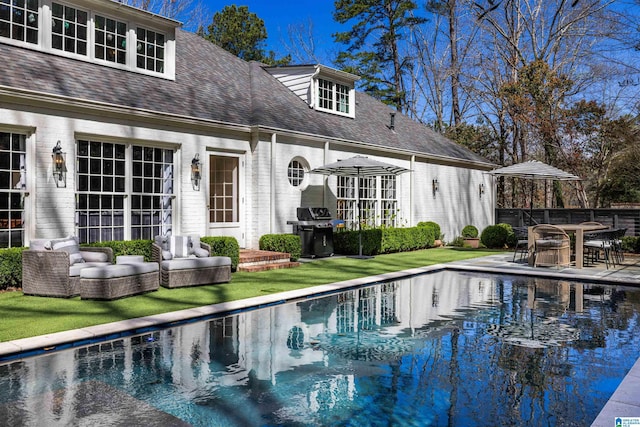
315 228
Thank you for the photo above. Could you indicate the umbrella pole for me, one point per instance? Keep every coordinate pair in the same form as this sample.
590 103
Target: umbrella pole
359 204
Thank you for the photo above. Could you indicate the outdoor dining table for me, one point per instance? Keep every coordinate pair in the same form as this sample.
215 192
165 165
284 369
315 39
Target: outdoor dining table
578 230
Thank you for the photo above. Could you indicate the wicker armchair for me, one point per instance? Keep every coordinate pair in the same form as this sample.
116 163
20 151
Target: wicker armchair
191 271
48 273
552 246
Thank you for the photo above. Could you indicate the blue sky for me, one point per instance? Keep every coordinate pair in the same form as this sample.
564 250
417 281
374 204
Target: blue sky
278 15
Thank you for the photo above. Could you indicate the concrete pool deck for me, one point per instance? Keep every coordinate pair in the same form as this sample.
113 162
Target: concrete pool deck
625 402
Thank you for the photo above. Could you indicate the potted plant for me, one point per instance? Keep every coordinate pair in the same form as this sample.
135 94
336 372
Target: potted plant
470 236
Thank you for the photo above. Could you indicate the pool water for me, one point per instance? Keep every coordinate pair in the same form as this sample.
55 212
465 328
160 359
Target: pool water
439 349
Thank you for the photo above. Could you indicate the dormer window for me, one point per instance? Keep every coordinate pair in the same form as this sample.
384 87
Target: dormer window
334 97
150 50
111 40
109 33
68 29
19 20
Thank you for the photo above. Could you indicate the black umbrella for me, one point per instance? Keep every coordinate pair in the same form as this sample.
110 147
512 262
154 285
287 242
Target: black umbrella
359 166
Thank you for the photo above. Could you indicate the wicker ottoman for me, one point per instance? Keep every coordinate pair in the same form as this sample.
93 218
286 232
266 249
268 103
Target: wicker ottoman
119 280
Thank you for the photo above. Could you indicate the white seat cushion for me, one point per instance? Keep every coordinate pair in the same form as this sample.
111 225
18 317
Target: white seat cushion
118 270
190 263
75 269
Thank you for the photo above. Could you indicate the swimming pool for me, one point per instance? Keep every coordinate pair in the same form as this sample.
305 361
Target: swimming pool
439 349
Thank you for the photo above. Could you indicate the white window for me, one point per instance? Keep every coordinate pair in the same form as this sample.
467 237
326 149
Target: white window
110 40
19 20
334 97
114 205
297 172
376 207
63 29
150 50
69 29
12 189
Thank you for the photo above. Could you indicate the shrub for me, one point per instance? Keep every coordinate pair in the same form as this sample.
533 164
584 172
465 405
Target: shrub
494 236
384 240
126 247
458 242
224 246
631 244
433 225
289 243
511 235
470 231
11 268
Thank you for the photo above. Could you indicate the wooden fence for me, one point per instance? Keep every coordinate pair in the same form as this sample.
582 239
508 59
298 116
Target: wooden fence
617 218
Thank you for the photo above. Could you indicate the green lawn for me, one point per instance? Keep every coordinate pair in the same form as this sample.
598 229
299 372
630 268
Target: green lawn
26 316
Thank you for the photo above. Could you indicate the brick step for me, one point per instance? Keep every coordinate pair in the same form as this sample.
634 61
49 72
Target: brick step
265 267
257 260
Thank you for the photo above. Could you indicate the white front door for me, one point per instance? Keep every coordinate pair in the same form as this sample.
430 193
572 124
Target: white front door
226 203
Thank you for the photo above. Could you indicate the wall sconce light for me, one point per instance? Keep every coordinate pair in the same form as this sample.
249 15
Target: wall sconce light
434 185
59 166
481 190
195 172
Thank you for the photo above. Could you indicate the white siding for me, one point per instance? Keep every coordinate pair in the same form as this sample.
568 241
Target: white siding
298 80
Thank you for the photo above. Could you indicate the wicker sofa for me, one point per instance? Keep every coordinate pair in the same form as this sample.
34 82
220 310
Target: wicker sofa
52 268
186 261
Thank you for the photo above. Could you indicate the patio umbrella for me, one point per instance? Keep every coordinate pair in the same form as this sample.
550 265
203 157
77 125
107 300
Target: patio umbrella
359 166
534 169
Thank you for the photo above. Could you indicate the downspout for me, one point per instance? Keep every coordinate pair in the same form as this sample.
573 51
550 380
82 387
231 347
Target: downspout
412 183
272 187
325 178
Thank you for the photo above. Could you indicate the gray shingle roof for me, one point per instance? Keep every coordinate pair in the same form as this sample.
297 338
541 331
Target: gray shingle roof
212 84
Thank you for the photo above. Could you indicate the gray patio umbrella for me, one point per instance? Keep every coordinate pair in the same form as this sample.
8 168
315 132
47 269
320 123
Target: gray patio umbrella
359 166
534 169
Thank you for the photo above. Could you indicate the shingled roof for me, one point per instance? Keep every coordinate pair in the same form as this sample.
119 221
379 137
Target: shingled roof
212 84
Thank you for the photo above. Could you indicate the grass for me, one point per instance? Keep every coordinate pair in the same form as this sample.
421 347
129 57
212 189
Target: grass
26 316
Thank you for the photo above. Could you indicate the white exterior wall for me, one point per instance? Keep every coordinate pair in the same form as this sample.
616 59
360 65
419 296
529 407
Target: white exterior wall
456 204
298 80
51 211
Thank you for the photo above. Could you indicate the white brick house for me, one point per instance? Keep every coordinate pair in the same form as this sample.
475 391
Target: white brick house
133 100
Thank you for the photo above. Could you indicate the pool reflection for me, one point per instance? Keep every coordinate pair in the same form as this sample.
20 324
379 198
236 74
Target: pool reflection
446 348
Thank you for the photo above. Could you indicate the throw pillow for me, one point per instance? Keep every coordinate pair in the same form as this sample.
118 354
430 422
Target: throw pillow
70 246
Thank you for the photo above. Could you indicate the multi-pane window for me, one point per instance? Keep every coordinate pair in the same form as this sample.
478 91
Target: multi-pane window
110 40
388 200
151 198
223 185
334 97
69 29
101 191
12 189
325 94
19 20
376 207
103 187
342 98
150 50
295 173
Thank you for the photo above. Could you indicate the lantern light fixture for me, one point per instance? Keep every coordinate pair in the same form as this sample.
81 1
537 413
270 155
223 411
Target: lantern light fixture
435 186
195 172
59 166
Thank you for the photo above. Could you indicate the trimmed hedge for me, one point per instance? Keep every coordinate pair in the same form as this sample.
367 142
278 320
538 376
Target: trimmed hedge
11 268
224 246
126 247
433 225
384 240
289 243
494 236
